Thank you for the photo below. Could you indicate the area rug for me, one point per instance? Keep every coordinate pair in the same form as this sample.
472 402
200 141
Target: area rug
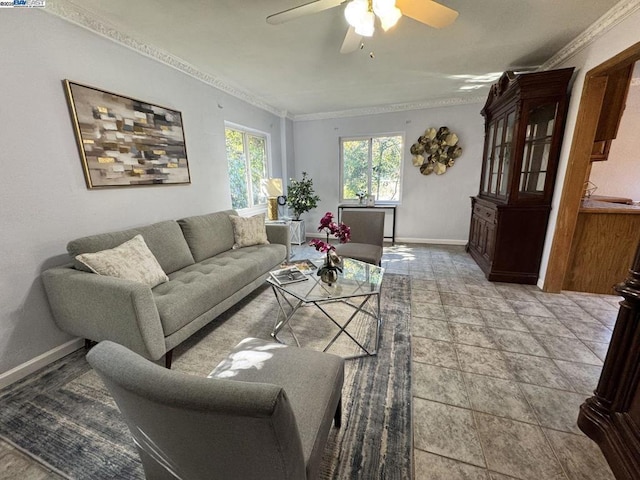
64 417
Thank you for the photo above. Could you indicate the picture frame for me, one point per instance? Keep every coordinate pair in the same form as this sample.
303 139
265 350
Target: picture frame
125 142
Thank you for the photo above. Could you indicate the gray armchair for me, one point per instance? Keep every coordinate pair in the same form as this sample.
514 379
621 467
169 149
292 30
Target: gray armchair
265 414
367 235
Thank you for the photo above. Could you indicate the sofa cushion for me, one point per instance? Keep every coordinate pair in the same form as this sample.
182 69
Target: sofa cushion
198 288
248 231
208 235
132 261
164 239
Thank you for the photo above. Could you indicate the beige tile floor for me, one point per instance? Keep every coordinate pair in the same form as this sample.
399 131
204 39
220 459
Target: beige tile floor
499 371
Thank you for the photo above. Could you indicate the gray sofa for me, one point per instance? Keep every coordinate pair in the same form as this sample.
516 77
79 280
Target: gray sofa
206 277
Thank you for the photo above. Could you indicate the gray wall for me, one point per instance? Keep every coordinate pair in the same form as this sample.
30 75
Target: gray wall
433 208
43 198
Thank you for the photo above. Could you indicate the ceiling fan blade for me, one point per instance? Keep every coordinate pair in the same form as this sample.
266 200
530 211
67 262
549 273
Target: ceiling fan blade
351 41
301 10
428 12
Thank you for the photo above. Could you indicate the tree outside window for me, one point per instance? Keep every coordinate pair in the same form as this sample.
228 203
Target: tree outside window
247 162
371 166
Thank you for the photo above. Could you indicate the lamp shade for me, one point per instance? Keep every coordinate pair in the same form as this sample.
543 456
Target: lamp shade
271 187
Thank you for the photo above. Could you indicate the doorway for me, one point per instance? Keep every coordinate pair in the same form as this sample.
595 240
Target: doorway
601 105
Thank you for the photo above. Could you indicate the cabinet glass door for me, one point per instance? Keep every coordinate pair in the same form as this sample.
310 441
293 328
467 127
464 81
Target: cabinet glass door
498 155
506 154
487 166
537 148
496 158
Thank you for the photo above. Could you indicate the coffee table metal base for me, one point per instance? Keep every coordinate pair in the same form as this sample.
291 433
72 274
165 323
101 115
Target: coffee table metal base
289 306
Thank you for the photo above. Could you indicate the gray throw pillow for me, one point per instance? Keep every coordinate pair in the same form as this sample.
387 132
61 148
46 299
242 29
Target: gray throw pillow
248 231
131 260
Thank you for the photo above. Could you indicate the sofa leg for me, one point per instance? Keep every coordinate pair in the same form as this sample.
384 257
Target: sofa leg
167 359
337 419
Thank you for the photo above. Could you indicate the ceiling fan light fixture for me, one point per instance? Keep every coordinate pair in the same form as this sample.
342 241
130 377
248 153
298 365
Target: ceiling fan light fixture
367 25
359 15
390 18
382 7
355 11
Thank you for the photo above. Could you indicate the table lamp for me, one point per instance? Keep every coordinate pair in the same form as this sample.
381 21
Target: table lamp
272 189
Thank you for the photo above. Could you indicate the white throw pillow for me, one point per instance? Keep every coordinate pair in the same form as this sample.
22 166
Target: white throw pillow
131 261
248 231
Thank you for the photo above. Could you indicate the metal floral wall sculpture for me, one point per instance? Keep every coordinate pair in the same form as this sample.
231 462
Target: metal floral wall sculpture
436 150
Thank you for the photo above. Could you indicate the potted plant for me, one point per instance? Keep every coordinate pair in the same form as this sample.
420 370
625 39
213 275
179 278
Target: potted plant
329 271
300 196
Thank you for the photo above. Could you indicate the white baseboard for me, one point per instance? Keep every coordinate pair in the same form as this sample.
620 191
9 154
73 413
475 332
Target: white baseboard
426 241
21 371
431 241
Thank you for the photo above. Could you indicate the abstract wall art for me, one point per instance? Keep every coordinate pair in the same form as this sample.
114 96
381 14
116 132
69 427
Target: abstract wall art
125 142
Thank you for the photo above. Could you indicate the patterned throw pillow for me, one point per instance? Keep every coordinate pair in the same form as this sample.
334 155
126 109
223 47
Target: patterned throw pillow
131 260
248 231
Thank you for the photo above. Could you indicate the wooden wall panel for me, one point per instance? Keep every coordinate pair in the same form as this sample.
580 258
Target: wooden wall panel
602 251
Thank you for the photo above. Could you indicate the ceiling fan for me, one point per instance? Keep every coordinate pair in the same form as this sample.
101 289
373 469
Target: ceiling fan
361 15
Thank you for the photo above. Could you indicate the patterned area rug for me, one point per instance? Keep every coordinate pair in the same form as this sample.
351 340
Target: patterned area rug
64 416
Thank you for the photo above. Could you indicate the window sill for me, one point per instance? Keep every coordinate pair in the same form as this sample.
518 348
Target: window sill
252 211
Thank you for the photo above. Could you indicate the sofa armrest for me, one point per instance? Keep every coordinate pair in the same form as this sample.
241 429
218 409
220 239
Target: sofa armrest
98 307
279 233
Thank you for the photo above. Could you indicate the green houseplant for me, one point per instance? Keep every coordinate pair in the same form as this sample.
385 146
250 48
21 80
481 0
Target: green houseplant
300 196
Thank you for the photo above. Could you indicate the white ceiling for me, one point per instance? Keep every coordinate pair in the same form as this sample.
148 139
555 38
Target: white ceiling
296 67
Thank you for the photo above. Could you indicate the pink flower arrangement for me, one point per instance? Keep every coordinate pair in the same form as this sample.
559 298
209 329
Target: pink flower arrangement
339 230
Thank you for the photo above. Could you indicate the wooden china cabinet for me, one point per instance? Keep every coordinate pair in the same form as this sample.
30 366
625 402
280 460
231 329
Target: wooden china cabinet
524 125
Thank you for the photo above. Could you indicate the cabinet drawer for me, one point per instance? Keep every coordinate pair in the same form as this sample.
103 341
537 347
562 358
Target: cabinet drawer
487 214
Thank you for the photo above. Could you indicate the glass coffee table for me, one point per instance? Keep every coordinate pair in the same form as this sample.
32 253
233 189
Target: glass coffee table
358 287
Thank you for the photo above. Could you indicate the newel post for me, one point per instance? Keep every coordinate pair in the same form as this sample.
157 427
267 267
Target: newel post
611 417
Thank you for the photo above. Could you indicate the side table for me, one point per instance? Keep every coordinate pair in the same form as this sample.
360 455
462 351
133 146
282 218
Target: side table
298 233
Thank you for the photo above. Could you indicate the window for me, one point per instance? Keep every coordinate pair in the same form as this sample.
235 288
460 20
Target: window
247 161
371 166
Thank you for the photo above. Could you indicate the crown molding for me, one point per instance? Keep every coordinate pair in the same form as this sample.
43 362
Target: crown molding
615 15
399 107
77 15
83 18
72 13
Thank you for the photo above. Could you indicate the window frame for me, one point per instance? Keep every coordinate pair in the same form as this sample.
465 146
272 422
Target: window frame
261 207
370 139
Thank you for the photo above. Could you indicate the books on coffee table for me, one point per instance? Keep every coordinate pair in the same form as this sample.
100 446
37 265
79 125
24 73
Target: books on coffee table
287 275
306 266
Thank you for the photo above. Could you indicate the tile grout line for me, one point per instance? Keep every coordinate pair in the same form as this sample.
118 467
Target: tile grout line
517 353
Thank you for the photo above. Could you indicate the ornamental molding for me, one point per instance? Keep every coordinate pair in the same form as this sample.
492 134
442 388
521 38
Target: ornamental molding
606 22
399 107
83 18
